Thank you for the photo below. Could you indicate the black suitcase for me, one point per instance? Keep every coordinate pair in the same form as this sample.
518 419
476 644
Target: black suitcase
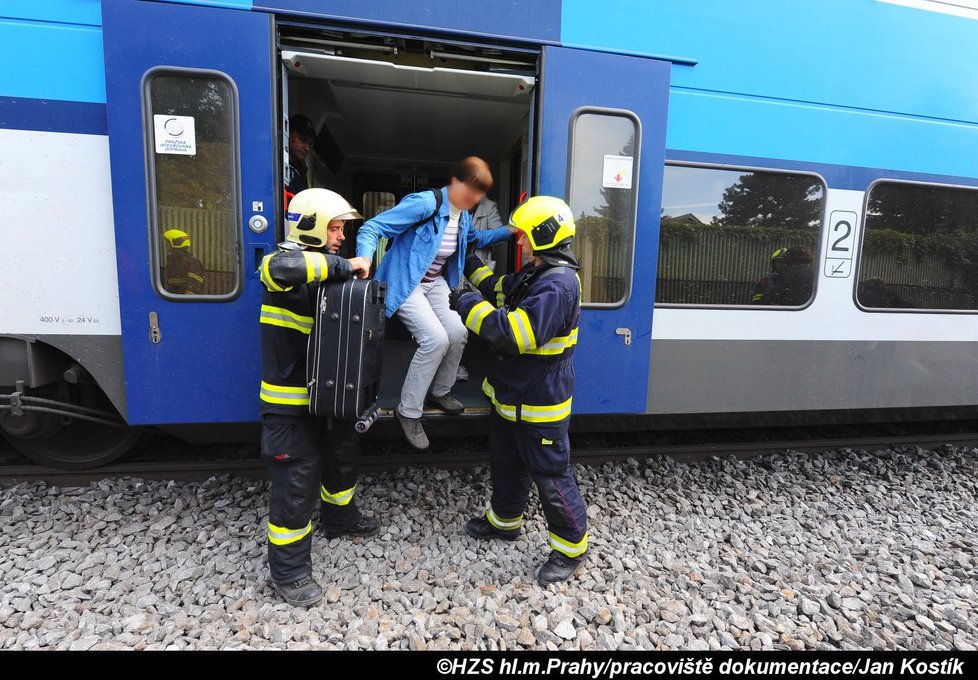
345 351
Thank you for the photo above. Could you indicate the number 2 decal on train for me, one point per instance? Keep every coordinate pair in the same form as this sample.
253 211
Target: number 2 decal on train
842 230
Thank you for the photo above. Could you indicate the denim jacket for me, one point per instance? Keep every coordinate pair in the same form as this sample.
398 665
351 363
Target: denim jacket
415 249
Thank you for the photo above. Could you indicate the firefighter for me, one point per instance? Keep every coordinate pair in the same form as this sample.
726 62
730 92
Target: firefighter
184 272
530 320
307 457
791 281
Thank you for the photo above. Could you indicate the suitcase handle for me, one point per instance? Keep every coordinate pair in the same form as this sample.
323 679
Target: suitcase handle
367 418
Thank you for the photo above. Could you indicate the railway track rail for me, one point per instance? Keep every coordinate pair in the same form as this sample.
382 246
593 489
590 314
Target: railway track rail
255 468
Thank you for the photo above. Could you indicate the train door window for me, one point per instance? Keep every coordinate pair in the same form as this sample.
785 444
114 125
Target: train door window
738 237
374 203
920 248
191 138
603 190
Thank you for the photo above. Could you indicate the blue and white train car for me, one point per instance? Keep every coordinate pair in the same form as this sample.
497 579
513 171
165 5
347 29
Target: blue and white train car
776 202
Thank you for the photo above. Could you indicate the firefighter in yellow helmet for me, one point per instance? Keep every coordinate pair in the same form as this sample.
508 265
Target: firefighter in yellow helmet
183 273
530 320
307 457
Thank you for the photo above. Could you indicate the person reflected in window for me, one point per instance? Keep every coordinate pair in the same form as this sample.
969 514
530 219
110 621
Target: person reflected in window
875 292
765 280
793 280
183 273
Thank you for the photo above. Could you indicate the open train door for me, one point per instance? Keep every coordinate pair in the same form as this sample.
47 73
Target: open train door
602 146
190 97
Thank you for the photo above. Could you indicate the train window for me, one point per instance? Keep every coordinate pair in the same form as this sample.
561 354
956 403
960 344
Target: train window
738 237
191 146
920 248
603 192
374 203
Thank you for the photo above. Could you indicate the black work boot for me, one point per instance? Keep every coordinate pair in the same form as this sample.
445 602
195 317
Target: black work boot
559 567
480 527
413 431
303 592
447 402
364 526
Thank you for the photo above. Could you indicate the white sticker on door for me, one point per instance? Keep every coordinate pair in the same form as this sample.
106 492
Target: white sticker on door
617 172
175 134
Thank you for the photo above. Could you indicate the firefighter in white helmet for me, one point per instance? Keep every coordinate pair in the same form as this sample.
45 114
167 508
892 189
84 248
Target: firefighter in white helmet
307 457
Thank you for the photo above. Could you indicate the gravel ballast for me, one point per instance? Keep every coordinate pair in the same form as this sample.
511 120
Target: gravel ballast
848 550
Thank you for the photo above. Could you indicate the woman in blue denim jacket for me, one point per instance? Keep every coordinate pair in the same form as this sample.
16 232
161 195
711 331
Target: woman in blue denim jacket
424 263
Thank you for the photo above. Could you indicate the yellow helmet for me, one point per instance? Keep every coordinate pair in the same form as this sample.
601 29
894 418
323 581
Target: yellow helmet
547 222
177 238
310 212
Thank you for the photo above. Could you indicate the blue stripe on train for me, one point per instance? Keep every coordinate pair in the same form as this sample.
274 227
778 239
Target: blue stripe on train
51 61
854 53
50 115
751 127
867 84
83 12
835 176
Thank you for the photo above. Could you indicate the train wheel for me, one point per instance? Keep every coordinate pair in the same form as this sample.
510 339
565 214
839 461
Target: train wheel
78 446
73 444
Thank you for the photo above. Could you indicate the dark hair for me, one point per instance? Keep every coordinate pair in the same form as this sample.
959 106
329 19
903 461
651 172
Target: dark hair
474 172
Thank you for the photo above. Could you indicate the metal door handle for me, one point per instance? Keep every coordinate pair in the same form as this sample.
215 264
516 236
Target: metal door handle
627 333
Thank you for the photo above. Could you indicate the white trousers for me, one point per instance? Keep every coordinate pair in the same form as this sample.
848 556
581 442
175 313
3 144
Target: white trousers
441 337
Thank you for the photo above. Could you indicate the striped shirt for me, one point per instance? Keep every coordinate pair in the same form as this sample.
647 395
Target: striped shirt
449 244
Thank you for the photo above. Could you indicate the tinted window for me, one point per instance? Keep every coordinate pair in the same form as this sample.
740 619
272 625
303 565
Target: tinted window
603 185
736 237
191 124
920 248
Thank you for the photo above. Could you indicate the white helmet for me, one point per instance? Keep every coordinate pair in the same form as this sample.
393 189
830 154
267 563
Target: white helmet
310 212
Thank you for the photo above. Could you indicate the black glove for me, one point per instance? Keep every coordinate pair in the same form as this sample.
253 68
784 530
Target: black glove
456 293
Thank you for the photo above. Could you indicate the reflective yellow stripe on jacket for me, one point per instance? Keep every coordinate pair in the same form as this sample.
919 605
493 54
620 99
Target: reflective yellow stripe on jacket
279 316
556 345
316 267
500 295
284 394
266 278
528 412
478 314
519 322
480 275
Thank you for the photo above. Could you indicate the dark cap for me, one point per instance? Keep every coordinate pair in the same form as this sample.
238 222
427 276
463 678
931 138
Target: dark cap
303 127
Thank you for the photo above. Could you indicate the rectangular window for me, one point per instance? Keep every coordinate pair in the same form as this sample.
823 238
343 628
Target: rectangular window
191 123
920 248
374 203
738 237
603 189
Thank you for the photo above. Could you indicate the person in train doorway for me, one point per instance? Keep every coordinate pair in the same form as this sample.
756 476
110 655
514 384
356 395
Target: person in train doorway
431 231
485 216
183 273
792 282
307 456
530 320
302 137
